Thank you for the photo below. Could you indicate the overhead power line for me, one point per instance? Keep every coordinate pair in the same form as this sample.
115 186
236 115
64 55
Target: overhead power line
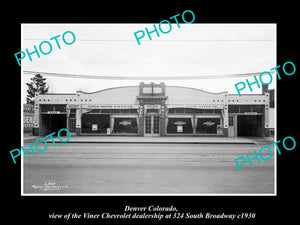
182 77
208 40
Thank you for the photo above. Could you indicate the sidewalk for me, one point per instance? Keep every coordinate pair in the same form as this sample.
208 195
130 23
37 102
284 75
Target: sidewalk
159 140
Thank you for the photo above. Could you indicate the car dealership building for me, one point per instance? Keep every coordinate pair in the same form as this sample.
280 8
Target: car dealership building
153 110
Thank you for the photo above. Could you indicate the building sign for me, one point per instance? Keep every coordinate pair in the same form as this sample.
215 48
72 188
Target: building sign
219 129
53 112
152 106
28 121
179 129
94 127
110 106
250 113
203 106
209 123
179 123
125 122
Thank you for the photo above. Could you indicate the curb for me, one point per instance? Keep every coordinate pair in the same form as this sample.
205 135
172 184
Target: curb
32 140
144 142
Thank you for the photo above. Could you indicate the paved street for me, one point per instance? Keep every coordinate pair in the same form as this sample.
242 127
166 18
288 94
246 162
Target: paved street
118 168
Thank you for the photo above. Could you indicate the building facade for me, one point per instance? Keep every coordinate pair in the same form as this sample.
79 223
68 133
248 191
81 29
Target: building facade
28 114
153 110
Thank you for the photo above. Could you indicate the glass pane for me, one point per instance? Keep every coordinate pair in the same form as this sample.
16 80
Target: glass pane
46 108
199 110
148 125
258 108
72 125
155 124
189 110
245 108
152 110
233 109
125 125
157 90
147 90
179 110
125 111
95 123
208 111
172 110
61 108
207 125
105 111
180 125
217 110
230 120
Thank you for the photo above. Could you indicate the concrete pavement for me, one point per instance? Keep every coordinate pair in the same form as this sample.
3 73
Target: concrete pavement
137 168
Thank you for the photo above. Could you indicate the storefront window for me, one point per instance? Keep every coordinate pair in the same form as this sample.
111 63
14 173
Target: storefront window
125 125
233 109
53 108
208 111
95 123
245 108
257 108
180 126
207 125
46 108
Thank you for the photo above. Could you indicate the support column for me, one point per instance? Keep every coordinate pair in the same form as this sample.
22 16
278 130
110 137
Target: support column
266 120
225 118
78 121
163 121
111 126
141 120
68 110
194 123
36 119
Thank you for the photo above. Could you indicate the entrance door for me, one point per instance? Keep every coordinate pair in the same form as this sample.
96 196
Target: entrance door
151 125
53 123
231 127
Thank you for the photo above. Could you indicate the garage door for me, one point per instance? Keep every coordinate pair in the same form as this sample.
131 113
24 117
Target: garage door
53 123
250 125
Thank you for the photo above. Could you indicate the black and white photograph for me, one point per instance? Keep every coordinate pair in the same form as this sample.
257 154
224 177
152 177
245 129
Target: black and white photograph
177 113
150 113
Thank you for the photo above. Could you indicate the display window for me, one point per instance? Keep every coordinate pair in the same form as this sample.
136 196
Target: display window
207 125
124 125
95 123
179 126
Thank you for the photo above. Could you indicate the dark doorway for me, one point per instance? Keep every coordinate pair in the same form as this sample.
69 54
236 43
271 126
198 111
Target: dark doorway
250 125
53 123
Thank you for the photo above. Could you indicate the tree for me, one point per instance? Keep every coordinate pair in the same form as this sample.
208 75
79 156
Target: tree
37 85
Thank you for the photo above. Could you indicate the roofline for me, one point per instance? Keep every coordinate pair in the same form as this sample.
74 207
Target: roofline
137 86
105 89
225 92
248 94
196 89
57 94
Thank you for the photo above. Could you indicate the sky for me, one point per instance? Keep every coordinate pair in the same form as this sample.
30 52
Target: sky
111 50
